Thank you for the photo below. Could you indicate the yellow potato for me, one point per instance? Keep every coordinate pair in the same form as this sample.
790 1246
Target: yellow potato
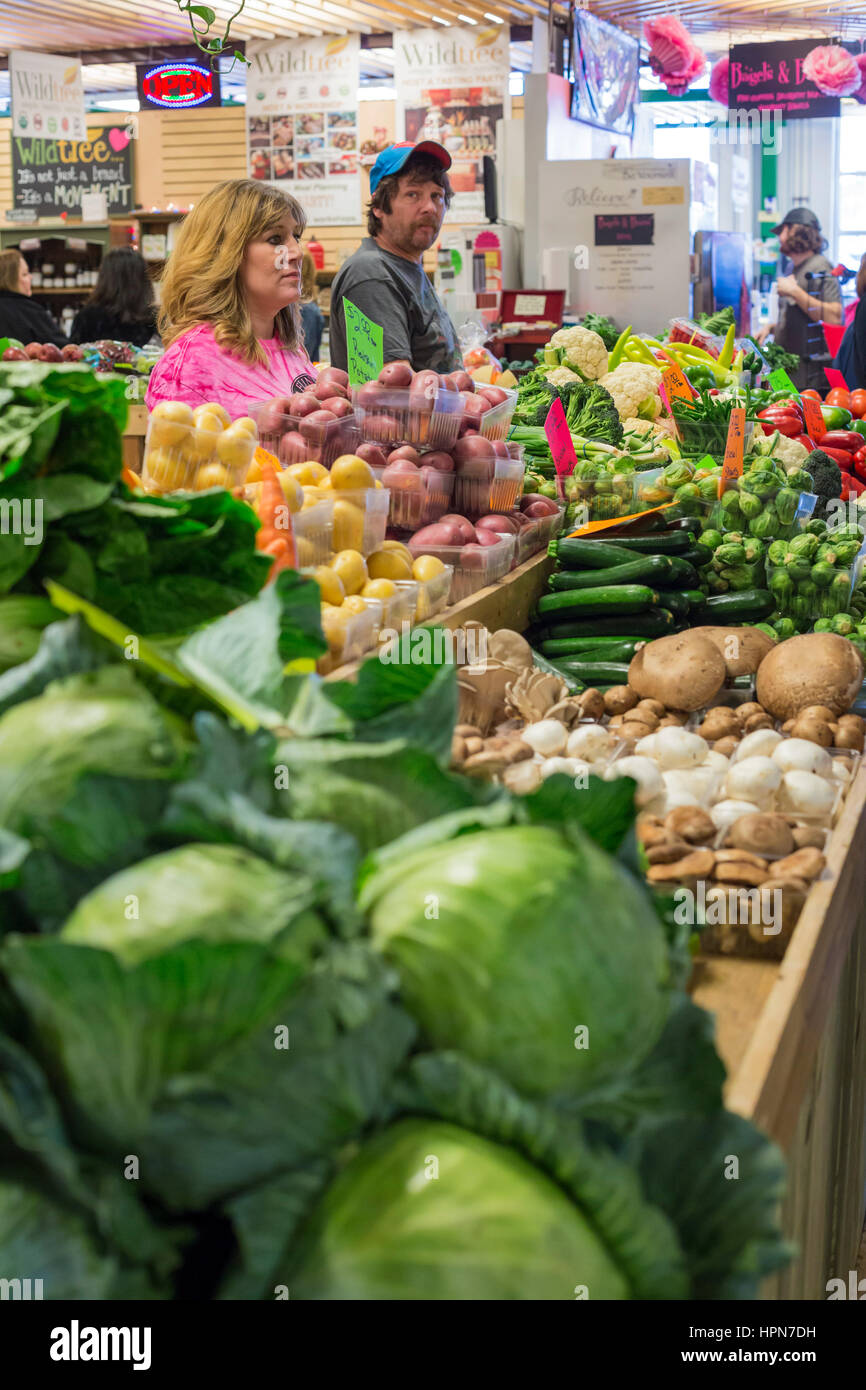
292 491
334 627
399 547
348 526
254 472
211 475
330 584
308 474
427 567
311 498
235 448
350 568
354 604
388 564
208 420
379 588
247 425
350 473
170 422
166 469
210 408
305 553
200 445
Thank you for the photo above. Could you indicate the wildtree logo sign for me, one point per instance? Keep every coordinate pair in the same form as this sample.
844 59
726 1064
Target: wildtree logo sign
50 176
175 86
47 94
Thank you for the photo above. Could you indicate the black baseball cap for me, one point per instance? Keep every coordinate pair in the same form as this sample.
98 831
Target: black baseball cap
804 216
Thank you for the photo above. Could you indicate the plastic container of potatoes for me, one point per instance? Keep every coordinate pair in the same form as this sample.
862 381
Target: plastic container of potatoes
474 566
433 594
390 416
496 491
419 499
359 518
189 450
313 531
496 422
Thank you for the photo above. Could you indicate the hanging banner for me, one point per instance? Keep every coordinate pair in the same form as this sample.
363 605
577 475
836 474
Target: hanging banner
772 76
47 94
302 123
50 177
452 86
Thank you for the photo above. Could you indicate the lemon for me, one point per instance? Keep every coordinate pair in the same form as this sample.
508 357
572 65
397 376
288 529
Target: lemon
308 474
379 588
330 584
388 564
353 605
350 473
170 422
427 567
348 526
349 566
166 469
210 408
211 475
292 491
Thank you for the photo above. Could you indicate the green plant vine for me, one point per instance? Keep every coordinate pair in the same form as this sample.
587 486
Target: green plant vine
214 48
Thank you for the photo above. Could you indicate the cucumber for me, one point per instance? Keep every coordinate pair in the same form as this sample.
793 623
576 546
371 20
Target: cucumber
662 543
595 672
576 554
675 602
681 574
655 622
641 569
594 648
603 599
747 606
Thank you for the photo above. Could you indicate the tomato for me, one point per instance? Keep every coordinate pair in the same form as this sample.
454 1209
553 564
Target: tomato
857 404
816 395
838 397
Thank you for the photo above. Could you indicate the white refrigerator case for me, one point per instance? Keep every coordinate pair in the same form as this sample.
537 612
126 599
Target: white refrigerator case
476 263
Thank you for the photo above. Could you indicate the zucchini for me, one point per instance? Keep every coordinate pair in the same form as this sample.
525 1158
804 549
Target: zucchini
595 648
695 597
595 673
543 664
662 543
682 574
584 603
640 569
573 553
675 602
655 622
747 606
697 555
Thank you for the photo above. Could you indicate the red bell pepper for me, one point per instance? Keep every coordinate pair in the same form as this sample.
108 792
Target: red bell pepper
787 423
856 485
842 439
841 456
845 492
806 442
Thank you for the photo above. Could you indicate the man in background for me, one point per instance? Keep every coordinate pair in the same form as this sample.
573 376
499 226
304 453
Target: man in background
385 278
808 296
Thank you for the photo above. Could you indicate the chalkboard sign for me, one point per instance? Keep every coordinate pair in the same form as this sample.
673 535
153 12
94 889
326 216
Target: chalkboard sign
624 228
49 176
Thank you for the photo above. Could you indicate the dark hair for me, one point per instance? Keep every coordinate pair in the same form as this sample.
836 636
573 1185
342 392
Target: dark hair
124 287
417 169
802 238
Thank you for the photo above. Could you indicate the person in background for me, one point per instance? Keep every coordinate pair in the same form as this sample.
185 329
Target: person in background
312 317
851 358
385 278
229 314
803 308
20 316
122 306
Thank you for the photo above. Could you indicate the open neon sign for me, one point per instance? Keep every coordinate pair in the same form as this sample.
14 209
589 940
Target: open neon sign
176 85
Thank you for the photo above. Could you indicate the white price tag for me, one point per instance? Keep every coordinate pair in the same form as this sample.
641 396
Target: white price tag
529 305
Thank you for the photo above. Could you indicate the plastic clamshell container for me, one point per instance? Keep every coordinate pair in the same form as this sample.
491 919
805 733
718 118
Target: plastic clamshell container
493 563
395 421
184 458
477 496
811 605
531 539
419 498
392 615
313 530
515 450
321 443
359 636
364 527
605 497
433 594
496 422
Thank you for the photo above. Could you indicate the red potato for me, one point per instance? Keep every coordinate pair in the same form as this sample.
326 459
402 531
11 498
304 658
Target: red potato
440 533
425 386
34 351
396 376
473 446
432 477
465 527
382 427
271 418
542 506
304 403
338 405
325 389
313 426
370 396
372 454
293 447
474 557
14 354
500 448
494 394
485 537
447 382
334 374
463 381
402 473
71 353
405 451
473 408
498 521
50 353
442 462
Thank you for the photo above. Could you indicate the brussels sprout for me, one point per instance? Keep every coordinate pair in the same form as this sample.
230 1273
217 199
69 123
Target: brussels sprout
761 482
786 503
677 474
730 503
842 625
750 505
709 486
754 549
822 574
824 625
800 480
711 538
765 526
777 552
804 544
784 627
729 554
780 583
816 526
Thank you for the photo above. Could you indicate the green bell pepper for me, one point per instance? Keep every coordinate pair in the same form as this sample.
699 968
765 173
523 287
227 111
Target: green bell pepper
836 417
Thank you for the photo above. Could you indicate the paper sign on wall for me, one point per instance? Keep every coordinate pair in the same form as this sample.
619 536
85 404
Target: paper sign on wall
363 345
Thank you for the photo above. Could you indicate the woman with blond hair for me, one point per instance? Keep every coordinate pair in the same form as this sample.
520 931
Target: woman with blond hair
229 313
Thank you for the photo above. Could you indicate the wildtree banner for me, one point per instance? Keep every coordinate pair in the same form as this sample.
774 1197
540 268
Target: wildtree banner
302 122
49 176
452 86
47 94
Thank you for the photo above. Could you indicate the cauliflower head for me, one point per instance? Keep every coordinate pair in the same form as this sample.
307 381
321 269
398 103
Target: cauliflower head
789 452
634 387
560 376
658 430
581 349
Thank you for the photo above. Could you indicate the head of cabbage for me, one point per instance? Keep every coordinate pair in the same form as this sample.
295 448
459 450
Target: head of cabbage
429 1210
542 958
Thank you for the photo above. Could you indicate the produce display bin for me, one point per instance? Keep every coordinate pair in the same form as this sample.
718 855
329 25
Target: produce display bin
313 530
359 637
392 614
433 594
184 458
318 443
484 565
477 496
496 422
419 498
360 518
531 539
394 420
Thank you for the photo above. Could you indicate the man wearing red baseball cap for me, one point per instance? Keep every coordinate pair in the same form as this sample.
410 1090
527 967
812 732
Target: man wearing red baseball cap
385 278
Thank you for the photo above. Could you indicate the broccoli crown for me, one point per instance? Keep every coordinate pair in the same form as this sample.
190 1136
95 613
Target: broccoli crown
591 412
535 399
826 479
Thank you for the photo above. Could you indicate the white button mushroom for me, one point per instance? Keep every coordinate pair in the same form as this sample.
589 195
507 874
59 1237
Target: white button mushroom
807 793
647 747
675 747
702 782
760 744
799 755
590 742
842 769
717 761
724 813
644 772
548 737
754 779
569 766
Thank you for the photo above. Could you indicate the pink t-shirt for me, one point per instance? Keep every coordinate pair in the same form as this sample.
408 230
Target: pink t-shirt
197 370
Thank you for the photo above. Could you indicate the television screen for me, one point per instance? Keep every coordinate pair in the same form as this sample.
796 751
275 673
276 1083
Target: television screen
178 84
605 89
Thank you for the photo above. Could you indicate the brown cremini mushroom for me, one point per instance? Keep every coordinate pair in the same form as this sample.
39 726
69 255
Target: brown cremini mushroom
692 823
619 699
762 832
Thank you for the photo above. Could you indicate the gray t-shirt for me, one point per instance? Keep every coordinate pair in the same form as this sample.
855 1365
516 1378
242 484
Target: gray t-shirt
795 330
396 294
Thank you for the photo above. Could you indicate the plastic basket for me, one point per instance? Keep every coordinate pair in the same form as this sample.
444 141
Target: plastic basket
420 498
294 440
394 420
358 637
313 530
364 527
496 422
482 566
433 594
535 537
477 496
184 458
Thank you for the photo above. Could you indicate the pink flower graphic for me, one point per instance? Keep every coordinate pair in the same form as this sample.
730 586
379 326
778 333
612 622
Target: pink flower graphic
719 81
860 94
673 55
833 70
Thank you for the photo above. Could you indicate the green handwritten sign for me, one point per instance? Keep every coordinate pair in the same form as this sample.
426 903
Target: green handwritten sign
780 381
363 345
